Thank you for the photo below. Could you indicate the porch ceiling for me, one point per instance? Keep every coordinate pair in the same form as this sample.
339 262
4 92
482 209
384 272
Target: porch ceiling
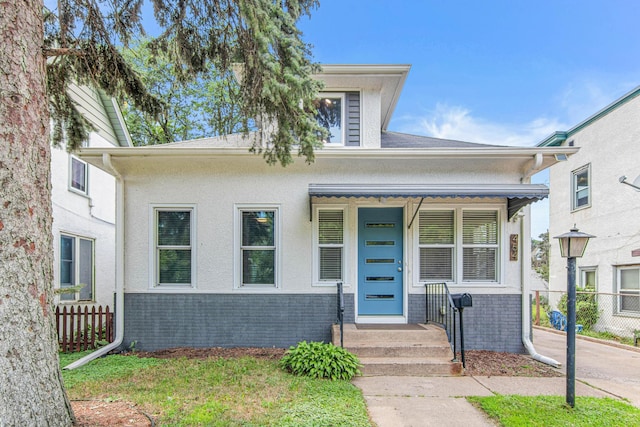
517 195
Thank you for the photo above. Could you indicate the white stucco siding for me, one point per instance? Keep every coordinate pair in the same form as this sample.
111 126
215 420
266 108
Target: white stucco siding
90 216
215 185
370 114
610 146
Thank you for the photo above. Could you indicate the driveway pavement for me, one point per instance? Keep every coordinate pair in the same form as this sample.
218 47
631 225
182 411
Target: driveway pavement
614 369
601 371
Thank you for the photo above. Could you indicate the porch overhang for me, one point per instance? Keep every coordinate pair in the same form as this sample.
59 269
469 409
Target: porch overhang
517 195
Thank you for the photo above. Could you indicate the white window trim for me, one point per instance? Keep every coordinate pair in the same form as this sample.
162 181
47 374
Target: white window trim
343 115
153 245
419 246
458 250
574 187
86 176
237 245
619 310
316 246
76 267
583 273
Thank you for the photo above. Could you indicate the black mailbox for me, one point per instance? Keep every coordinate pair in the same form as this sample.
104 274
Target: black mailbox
462 300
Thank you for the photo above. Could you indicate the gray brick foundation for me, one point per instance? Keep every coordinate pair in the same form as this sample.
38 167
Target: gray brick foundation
158 321
493 323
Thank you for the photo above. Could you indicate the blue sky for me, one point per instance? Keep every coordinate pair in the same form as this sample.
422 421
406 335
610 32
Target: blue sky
500 72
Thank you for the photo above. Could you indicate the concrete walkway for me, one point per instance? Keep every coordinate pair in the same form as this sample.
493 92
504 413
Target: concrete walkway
601 370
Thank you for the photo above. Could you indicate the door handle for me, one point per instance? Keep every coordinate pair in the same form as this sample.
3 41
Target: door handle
399 268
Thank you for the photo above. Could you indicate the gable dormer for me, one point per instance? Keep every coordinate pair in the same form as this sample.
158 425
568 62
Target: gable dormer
357 102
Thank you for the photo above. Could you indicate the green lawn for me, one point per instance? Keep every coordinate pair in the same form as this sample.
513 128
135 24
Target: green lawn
251 392
217 392
552 411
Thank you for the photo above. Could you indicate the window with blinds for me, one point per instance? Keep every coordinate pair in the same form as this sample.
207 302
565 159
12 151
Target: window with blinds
437 244
458 244
258 247
173 246
330 244
480 245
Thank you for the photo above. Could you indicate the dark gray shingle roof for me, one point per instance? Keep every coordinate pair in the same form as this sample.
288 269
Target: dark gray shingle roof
404 140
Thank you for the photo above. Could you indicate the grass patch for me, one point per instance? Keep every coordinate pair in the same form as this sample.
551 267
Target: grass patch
544 316
607 336
115 367
552 411
218 392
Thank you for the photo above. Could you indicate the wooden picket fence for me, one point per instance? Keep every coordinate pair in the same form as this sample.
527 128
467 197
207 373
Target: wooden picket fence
81 328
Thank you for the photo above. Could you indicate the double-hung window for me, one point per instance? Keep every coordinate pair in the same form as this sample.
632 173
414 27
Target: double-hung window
174 246
76 268
629 289
78 176
258 234
330 244
581 188
437 245
479 245
331 116
458 245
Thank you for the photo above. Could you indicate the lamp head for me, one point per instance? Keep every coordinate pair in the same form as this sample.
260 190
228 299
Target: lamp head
573 243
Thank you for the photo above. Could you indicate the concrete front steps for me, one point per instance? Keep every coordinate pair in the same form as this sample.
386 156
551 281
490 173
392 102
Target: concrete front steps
399 350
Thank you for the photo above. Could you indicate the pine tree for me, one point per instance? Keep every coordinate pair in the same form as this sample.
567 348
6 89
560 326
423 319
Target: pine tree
42 52
207 106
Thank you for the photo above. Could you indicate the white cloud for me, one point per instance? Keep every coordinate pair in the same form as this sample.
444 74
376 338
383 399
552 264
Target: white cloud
455 122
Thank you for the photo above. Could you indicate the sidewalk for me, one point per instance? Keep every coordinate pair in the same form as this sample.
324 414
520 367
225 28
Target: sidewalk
602 371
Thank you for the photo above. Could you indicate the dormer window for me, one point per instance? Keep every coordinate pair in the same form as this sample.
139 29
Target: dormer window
330 115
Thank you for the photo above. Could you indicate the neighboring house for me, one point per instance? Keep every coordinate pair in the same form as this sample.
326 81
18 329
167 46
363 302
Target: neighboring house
221 249
83 199
586 191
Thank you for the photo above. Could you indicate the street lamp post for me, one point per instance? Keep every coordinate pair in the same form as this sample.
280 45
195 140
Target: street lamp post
572 246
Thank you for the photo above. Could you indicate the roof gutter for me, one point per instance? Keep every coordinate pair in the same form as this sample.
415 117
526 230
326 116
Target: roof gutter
119 308
331 153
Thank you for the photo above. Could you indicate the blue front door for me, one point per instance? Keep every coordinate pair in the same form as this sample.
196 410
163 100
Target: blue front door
380 232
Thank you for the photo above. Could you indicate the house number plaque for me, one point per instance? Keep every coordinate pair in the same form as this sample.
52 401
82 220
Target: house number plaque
513 247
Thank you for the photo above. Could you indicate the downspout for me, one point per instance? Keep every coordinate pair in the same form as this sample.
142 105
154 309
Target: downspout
526 310
119 309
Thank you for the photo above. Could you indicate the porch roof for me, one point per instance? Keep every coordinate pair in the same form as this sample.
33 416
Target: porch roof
517 195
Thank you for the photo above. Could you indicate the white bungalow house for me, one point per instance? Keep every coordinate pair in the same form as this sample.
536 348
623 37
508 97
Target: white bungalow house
217 248
83 199
591 191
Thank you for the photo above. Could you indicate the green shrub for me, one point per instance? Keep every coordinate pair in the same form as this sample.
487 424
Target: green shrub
586 308
320 360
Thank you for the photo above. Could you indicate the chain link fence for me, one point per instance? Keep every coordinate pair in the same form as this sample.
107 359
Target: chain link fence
613 316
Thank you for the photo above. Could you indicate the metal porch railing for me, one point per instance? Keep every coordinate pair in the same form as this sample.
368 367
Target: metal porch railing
441 311
340 295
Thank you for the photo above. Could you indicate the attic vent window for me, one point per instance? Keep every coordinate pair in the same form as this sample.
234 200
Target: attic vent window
330 115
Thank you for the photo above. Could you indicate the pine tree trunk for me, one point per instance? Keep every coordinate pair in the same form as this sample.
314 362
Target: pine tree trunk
31 390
